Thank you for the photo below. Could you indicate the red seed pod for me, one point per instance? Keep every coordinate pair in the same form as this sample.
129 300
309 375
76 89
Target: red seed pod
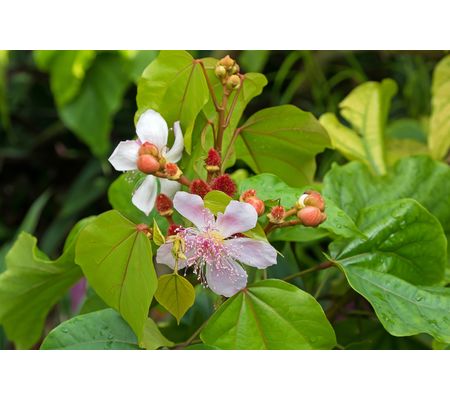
148 164
213 160
173 229
257 204
200 187
225 184
247 194
311 216
276 215
148 148
164 205
172 171
314 199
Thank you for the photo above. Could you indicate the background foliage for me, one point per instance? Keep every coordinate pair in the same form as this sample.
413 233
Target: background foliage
61 114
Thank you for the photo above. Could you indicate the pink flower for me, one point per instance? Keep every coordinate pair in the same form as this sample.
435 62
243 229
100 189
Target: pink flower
212 248
151 128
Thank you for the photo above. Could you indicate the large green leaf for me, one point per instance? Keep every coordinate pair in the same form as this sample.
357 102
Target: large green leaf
116 258
89 114
174 85
67 71
99 330
404 249
366 108
271 188
176 294
283 140
439 136
269 314
352 186
32 284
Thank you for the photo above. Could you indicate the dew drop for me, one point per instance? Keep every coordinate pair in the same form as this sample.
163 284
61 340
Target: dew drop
419 298
110 337
65 330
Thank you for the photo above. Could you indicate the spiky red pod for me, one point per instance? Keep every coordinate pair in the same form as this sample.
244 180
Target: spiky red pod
225 184
247 194
213 160
276 215
164 205
200 187
173 229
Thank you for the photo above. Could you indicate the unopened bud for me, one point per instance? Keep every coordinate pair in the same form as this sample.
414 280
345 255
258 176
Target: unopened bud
220 71
311 198
172 171
148 148
164 205
148 164
233 82
235 69
247 194
276 215
311 216
257 204
225 184
213 160
199 187
227 62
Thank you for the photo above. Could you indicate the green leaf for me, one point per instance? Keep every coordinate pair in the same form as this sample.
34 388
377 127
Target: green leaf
440 345
158 237
201 346
269 314
67 71
152 338
176 294
439 136
404 248
253 60
366 108
4 109
283 140
90 113
174 85
116 258
32 284
99 330
352 186
271 188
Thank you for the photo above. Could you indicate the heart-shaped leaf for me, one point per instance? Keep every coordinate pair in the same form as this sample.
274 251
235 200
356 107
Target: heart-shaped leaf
269 314
176 294
116 258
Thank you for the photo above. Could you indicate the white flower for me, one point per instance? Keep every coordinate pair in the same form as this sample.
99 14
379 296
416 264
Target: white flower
151 128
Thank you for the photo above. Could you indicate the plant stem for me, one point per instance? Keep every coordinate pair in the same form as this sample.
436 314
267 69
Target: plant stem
319 267
192 337
210 87
230 146
221 127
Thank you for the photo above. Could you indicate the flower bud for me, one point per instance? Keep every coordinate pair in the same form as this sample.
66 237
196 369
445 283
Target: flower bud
247 194
220 71
148 148
164 205
199 187
172 171
314 199
276 215
225 184
257 204
311 216
235 69
147 164
227 62
213 160
233 82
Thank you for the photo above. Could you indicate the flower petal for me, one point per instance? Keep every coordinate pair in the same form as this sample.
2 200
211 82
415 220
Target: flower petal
175 153
164 256
124 156
238 217
168 187
145 196
152 128
226 277
256 253
191 206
